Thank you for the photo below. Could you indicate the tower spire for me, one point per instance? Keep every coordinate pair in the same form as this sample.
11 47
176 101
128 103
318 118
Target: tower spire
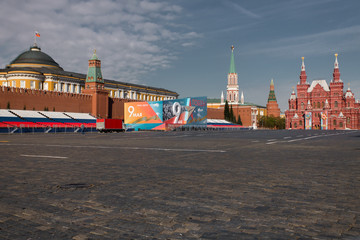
272 105
232 61
336 74
303 76
232 89
94 71
303 64
272 92
336 64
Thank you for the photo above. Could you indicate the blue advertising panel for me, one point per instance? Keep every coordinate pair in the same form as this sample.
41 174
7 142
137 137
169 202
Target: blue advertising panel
166 115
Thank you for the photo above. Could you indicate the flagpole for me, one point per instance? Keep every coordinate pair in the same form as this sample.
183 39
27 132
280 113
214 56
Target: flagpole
35 39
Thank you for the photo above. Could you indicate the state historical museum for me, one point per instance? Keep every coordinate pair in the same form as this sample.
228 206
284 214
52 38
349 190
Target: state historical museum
320 106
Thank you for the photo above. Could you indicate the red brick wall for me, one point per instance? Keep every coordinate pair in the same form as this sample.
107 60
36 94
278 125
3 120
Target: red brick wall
243 111
245 114
273 109
39 100
213 113
61 102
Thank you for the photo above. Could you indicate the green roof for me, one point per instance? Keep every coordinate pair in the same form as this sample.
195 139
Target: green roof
35 56
232 62
272 96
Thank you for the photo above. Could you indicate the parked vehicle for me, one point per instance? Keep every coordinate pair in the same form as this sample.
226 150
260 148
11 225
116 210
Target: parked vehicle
110 125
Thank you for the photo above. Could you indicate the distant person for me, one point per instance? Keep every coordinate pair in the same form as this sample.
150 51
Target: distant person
82 129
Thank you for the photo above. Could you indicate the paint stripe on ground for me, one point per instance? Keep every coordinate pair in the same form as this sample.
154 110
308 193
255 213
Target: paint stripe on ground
42 156
118 147
142 148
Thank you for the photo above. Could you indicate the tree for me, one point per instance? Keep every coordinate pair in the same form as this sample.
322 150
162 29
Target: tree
271 122
226 111
231 115
239 120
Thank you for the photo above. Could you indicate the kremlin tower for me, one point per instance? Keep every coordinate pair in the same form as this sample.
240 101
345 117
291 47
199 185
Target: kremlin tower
232 89
94 85
272 105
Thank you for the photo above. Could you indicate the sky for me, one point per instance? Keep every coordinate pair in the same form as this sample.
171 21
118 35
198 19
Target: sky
185 45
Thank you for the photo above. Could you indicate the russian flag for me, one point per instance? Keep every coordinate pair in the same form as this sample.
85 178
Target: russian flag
37 34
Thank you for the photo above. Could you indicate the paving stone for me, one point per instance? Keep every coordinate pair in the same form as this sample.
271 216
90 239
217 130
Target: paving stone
288 190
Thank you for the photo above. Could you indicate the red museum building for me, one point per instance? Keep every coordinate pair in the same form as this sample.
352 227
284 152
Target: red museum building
320 106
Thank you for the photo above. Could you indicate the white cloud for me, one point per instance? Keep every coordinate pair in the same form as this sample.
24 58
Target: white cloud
242 10
131 36
344 39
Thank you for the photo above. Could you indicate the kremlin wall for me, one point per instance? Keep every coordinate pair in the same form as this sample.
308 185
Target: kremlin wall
34 81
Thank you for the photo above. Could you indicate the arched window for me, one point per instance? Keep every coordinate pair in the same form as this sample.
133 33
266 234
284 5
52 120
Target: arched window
336 104
318 104
334 122
322 105
340 124
302 105
295 125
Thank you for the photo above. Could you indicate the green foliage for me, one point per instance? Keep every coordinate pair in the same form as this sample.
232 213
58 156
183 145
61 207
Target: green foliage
271 122
226 111
239 120
231 115
46 109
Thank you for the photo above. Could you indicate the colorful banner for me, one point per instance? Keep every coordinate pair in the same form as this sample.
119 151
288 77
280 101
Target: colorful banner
324 120
308 120
165 115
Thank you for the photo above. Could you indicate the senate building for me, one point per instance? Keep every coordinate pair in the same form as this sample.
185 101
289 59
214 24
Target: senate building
322 106
35 81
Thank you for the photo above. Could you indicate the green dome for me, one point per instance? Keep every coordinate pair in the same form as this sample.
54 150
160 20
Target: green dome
34 58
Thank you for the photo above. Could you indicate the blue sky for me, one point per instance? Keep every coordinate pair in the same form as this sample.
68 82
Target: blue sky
184 45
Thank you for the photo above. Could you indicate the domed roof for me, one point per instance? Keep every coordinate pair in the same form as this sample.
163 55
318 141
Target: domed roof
34 58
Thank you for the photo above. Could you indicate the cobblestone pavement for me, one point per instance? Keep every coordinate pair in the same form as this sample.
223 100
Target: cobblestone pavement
181 185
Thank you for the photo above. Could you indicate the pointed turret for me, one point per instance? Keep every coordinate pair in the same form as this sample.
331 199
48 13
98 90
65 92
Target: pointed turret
336 73
308 107
272 105
327 105
272 92
94 85
303 76
222 97
94 71
293 95
232 89
232 61
242 97
349 93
